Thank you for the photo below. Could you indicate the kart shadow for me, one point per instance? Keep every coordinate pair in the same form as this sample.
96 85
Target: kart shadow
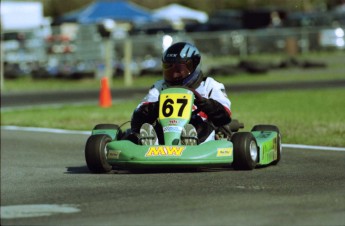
85 170
77 170
171 170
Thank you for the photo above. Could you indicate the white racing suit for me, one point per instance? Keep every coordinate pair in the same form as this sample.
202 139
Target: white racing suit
212 111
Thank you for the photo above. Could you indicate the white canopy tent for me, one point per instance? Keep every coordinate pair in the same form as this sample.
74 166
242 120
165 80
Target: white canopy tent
177 14
21 15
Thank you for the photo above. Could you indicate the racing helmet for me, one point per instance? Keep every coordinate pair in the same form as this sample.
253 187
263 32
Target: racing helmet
181 65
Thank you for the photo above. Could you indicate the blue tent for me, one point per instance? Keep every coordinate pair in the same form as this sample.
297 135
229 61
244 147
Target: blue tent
118 10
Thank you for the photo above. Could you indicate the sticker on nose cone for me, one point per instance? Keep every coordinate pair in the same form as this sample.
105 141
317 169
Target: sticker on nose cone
222 152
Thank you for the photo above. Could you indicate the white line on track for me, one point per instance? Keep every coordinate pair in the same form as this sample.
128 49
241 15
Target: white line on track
63 131
47 130
36 210
312 147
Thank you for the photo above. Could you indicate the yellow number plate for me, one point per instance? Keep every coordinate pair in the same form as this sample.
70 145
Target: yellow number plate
175 105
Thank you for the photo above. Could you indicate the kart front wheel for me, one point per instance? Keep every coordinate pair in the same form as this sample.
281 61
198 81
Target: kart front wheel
246 151
95 153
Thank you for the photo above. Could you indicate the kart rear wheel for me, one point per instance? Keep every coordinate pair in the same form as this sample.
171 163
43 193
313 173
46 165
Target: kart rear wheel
95 153
246 151
279 138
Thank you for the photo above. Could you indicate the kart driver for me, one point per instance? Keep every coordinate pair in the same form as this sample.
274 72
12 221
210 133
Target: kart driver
211 110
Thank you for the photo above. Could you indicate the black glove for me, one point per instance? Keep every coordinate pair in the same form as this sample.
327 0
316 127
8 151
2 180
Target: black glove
215 111
146 113
196 94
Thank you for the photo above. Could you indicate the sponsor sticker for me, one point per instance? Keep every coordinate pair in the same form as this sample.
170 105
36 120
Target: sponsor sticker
172 129
114 154
173 122
223 152
165 151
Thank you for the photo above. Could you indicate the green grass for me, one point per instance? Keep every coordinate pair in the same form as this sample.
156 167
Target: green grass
314 117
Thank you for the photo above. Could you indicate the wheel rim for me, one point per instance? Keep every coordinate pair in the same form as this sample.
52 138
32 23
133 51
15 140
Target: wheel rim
253 150
105 152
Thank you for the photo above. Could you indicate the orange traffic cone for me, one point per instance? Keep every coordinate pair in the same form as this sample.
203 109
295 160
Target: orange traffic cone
105 94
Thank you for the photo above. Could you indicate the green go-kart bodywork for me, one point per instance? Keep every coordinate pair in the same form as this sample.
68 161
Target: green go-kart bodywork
105 150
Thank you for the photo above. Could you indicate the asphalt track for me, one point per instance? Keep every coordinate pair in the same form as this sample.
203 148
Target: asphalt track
305 188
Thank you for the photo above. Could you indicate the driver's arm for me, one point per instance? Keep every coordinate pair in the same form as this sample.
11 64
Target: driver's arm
217 105
218 114
147 112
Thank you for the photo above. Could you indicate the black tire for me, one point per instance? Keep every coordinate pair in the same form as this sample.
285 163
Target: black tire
110 127
279 139
246 151
107 126
95 154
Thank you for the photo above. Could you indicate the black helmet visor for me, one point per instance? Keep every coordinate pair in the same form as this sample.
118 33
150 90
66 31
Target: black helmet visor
176 72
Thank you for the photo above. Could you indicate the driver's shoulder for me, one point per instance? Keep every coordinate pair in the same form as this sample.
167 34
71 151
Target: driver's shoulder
159 85
211 83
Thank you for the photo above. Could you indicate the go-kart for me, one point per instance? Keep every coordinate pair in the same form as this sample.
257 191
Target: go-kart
105 149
